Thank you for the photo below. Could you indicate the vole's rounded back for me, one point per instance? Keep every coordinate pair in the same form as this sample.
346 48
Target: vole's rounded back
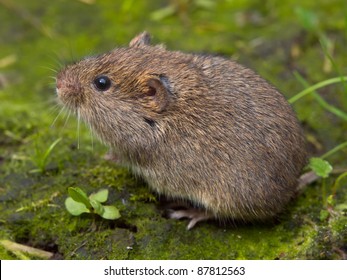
198 128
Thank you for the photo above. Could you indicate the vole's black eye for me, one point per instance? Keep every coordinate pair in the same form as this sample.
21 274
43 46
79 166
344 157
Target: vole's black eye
102 83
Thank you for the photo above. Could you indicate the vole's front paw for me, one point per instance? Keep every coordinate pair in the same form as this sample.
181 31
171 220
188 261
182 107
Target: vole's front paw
195 215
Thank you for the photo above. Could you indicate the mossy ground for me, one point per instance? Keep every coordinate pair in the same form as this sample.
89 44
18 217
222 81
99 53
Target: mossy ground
275 38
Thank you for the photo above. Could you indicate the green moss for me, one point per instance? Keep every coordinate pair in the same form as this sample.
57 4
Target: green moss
109 244
109 175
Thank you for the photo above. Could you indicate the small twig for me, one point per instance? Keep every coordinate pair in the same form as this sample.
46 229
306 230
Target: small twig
20 248
306 179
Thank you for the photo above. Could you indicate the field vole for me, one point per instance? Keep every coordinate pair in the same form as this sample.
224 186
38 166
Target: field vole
197 128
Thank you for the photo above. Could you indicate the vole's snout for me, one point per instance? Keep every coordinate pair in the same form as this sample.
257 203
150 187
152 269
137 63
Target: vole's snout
58 84
60 77
69 90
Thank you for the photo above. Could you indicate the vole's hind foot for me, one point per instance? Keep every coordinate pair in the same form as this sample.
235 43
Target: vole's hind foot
195 216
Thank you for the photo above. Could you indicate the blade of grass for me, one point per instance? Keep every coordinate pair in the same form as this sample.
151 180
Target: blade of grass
324 42
332 109
48 152
310 89
337 182
334 150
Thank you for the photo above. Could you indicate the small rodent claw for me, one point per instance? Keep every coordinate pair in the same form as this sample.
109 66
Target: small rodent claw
195 216
195 220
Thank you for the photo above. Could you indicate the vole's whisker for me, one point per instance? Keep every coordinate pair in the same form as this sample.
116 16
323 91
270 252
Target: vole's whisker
50 69
57 60
53 77
56 118
53 109
66 120
78 128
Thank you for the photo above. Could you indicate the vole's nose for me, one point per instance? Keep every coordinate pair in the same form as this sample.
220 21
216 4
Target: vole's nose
58 84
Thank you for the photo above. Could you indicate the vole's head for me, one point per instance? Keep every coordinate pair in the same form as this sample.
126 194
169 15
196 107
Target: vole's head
117 94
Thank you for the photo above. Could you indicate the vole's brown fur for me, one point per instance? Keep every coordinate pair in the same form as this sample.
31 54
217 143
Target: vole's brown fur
198 128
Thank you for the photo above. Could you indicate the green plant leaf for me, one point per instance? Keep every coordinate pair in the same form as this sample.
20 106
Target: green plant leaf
163 13
323 215
331 200
206 4
110 213
49 151
308 19
98 208
80 196
40 158
320 166
341 207
79 203
100 196
75 208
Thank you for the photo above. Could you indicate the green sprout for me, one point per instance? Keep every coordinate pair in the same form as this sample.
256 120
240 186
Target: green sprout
321 167
79 203
40 158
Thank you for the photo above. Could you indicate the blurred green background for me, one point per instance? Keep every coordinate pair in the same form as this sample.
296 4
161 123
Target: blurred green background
293 44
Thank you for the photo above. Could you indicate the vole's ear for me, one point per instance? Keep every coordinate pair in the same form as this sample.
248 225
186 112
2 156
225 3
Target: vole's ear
156 94
143 39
